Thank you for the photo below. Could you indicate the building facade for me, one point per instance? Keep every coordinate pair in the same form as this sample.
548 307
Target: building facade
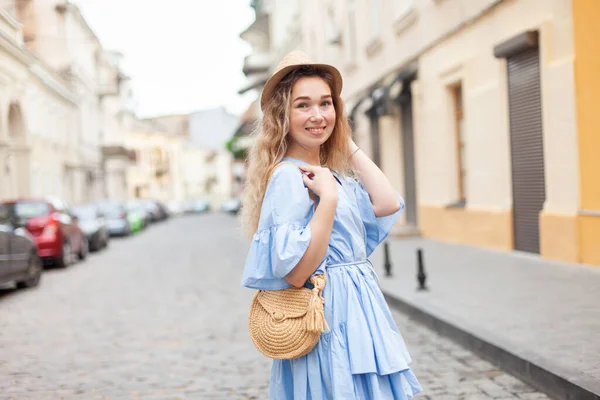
155 174
57 33
478 112
65 102
38 119
587 94
115 101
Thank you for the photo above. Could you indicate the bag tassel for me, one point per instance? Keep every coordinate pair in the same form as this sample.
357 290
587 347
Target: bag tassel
315 321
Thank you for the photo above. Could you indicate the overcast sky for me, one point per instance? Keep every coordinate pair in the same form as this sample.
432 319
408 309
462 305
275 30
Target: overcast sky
182 55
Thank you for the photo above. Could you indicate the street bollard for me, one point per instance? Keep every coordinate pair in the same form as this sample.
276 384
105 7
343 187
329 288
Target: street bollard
421 275
387 264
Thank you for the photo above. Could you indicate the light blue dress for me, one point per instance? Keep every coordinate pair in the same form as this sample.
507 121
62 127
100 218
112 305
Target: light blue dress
363 355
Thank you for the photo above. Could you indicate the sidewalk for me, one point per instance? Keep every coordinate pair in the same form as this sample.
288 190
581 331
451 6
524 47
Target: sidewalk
535 318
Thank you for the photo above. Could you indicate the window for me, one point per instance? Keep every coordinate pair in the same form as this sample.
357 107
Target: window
29 209
459 132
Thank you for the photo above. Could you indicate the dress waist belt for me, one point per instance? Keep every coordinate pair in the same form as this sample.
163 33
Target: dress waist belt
348 264
308 283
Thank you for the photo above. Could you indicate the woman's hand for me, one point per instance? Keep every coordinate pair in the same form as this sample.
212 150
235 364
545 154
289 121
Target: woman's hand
320 180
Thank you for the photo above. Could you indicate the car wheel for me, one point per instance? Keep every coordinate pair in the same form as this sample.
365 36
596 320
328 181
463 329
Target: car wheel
34 273
95 243
85 248
65 258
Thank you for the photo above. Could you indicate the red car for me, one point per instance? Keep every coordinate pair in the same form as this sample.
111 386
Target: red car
57 235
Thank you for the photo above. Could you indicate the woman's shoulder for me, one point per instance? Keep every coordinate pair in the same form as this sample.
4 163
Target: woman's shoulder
284 175
286 198
286 168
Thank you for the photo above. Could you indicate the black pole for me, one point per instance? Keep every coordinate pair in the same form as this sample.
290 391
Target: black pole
387 265
421 275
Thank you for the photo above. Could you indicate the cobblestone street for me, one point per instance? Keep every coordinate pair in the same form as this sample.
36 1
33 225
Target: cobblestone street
161 315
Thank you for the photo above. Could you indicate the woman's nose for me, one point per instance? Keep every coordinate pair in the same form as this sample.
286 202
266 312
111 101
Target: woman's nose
316 114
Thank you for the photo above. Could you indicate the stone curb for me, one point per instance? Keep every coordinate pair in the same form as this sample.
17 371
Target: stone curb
557 382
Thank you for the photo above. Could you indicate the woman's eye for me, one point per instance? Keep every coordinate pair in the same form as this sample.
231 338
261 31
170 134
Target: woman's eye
326 103
302 105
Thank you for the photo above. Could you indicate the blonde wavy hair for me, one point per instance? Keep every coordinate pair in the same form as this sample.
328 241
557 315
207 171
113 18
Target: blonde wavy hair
272 141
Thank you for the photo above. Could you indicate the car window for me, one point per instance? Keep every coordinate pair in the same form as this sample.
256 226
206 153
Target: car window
112 210
4 215
84 213
28 209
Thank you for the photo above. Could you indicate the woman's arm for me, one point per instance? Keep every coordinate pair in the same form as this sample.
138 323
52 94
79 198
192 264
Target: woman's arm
321 224
383 196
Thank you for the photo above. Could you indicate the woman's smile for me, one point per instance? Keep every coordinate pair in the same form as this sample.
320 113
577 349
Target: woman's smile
317 131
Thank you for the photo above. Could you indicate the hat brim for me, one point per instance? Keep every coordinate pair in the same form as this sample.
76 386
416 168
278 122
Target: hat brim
272 82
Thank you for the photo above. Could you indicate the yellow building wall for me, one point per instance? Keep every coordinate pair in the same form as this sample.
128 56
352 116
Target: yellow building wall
485 228
559 236
586 15
467 57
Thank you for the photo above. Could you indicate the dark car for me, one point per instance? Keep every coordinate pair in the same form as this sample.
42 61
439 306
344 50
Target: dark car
91 221
58 237
158 211
19 260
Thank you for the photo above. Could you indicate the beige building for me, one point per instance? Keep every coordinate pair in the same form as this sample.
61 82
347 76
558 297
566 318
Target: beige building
73 51
38 120
206 165
195 166
116 118
64 102
157 172
468 106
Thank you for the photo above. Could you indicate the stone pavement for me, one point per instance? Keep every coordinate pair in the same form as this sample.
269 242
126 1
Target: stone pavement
541 317
448 371
161 315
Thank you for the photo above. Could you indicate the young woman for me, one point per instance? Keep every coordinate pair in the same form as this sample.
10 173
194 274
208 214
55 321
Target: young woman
305 146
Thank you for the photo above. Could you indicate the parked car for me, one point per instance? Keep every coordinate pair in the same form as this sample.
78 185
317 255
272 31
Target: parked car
58 237
198 206
175 207
139 206
91 221
19 259
232 206
135 216
115 217
158 210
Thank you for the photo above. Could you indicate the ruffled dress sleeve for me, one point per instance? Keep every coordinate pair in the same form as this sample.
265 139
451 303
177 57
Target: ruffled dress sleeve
283 233
376 228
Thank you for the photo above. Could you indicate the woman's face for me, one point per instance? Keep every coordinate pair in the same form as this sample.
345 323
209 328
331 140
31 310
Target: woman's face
312 115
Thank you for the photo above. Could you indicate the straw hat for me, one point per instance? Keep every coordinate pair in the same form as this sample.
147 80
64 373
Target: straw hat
294 60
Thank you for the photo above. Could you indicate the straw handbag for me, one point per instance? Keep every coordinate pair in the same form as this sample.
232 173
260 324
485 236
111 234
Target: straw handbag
286 324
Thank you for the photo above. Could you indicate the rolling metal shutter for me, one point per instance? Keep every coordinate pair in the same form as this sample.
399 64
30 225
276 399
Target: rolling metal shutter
527 151
408 149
